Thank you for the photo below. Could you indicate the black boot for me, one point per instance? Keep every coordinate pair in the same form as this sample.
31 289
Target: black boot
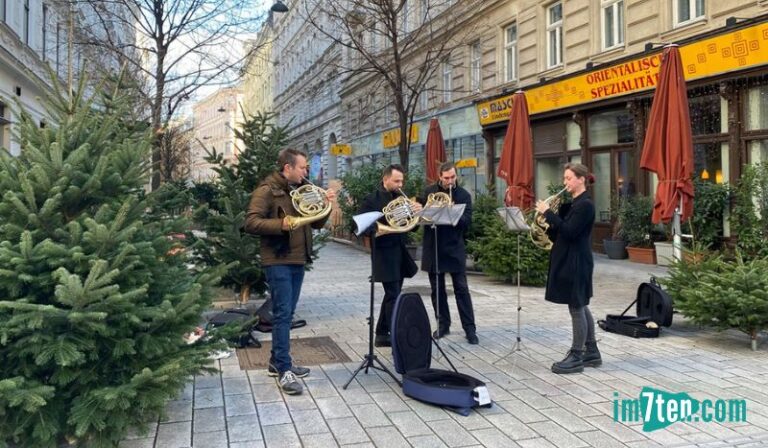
592 355
572 363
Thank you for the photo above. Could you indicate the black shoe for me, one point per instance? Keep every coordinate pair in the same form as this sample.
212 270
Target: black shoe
592 356
472 338
299 371
572 363
289 384
382 340
439 333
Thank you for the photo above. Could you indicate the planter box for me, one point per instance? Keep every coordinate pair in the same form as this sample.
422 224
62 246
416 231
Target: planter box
646 255
664 253
615 249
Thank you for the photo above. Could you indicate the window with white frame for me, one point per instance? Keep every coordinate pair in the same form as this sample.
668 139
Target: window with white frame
424 100
684 11
510 53
447 80
475 64
613 23
554 35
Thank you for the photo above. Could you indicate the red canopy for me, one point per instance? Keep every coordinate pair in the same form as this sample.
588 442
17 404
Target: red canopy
668 146
435 152
516 164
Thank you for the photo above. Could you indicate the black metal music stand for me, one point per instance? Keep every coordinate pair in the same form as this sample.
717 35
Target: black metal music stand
515 221
433 216
364 222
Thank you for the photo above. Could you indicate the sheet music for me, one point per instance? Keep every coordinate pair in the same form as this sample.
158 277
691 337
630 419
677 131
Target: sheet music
514 219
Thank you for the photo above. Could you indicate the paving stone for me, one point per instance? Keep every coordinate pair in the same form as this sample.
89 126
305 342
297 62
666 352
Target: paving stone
333 407
208 398
431 441
347 431
238 385
137 443
567 420
387 437
309 422
319 441
557 435
216 439
209 419
281 436
370 415
174 435
239 404
408 423
248 444
243 428
512 427
492 437
265 393
273 414
208 381
451 433
389 401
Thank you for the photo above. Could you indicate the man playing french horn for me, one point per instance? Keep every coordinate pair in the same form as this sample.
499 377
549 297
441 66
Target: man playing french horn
451 254
392 263
286 246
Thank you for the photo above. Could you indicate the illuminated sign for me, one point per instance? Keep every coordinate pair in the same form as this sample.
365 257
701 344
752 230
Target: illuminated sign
341 150
470 162
708 57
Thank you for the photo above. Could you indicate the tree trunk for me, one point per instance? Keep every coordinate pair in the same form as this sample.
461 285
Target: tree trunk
245 294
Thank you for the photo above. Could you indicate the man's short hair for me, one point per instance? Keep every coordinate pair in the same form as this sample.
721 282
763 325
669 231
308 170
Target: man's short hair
288 156
393 167
446 166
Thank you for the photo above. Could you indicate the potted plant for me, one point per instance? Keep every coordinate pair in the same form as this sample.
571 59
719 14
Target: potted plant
615 246
636 226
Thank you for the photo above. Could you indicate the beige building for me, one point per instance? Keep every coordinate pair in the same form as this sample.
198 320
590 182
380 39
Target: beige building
215 119
259 71
588 69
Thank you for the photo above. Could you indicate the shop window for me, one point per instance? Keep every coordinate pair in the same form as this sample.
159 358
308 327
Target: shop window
757 108
685 11
549 171
758 151
613 23
510 53
555 35
610 128
601 189
708 162
706 113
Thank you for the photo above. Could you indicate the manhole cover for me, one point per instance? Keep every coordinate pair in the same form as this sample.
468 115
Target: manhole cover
304 351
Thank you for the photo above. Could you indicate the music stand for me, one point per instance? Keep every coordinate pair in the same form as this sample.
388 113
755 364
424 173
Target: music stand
365 221
515 221
447 215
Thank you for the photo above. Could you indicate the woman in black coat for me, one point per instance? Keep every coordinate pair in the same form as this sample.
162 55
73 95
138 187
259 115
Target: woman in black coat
570 266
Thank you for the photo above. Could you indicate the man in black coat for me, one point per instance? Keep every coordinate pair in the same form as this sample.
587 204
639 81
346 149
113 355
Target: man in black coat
451 257
392 263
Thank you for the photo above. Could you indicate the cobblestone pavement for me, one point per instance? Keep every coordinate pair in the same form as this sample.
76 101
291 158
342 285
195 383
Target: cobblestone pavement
532 406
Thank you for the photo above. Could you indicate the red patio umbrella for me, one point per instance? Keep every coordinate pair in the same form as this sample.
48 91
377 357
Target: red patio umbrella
516 164
668 146
435 151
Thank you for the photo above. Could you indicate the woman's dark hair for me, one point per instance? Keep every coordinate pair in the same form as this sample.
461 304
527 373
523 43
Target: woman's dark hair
581 171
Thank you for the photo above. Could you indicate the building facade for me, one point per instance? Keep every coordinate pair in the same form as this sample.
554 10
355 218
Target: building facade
215 119
259 71
306 90
35 38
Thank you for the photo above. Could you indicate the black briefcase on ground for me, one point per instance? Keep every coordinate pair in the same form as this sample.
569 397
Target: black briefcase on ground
654 310
244 321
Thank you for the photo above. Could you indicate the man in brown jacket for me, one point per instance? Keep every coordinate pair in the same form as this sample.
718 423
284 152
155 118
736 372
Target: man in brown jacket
284 253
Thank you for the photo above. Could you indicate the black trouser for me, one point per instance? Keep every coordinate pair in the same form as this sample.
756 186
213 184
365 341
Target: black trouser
391 291
463 300
583 326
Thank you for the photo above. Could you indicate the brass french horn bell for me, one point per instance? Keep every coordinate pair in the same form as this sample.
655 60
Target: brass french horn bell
312 204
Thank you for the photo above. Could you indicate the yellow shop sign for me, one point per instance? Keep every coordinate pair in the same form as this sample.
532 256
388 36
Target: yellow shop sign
341 150
708 57
391 138
470 162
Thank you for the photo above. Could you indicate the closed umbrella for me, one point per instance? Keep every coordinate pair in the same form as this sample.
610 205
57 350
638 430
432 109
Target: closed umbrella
435 151
668 146
516 164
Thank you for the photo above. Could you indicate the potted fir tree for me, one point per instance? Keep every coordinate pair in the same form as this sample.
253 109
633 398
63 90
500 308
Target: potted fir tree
636 226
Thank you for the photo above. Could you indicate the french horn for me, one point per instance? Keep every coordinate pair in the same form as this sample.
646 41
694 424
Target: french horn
439 199
399 215
539 226
312 204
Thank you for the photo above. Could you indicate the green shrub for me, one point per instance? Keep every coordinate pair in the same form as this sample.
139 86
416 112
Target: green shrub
709 205
635 220
749 217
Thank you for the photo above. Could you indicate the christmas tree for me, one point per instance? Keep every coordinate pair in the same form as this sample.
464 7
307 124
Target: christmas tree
223 217
94 302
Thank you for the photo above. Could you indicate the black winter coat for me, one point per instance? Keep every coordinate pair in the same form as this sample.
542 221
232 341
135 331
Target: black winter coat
570 262
393 262
451 250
